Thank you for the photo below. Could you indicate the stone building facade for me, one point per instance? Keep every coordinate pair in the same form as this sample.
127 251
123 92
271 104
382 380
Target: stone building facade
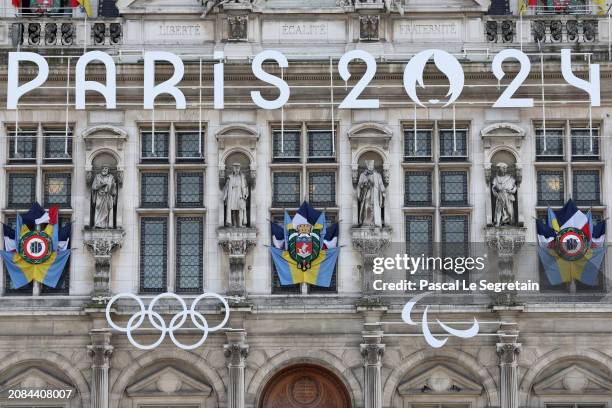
304 346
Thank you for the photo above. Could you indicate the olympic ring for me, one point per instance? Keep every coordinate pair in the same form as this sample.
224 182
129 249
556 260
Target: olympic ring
158 322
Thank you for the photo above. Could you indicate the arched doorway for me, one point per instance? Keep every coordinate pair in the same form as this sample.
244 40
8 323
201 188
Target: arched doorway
305 386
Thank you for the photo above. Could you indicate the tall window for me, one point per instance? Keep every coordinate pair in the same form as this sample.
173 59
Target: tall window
303 168
41 170
437 204
575 171
172 209
574 147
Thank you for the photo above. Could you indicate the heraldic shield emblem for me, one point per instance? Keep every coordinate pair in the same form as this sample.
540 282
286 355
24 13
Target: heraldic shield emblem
305 248
304 245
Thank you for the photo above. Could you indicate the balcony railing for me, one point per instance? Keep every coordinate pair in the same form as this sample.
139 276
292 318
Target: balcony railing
551 29
63 32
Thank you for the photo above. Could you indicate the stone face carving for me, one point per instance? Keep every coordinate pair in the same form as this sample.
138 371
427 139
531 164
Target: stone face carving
389 5
235 195
371 196
504 190
103 196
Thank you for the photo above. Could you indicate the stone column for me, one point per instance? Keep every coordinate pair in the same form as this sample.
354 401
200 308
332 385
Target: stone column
372 351
100 351
508 351
236 352
102 243
236 242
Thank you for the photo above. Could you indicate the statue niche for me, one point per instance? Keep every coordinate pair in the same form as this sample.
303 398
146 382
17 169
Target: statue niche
104 180
237 191
371 191
505 179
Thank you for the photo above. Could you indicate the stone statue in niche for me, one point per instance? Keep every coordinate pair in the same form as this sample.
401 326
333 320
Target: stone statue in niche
235 196
371 196
103 195
504 190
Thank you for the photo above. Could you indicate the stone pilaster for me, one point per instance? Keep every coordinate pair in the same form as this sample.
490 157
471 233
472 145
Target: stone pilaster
100 352
102 243
236 242
508 351
372 351
236 351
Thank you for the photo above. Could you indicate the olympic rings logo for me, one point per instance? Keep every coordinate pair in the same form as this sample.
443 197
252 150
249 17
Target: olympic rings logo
176 322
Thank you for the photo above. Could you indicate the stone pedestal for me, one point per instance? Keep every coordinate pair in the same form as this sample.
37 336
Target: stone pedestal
371 242
236 351
372 351
508 350
100 352
506 241
102 243
236 242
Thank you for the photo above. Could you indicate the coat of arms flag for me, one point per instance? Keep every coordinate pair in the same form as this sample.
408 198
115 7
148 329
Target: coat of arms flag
570 247
37 249
305 249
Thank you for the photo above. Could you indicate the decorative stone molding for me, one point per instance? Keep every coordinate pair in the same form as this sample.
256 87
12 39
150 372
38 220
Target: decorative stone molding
100 352
102 243
104 133
237 242
499 133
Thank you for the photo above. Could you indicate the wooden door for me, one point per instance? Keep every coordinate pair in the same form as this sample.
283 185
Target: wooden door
305 386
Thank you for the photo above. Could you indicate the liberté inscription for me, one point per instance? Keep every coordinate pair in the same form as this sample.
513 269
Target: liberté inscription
179 30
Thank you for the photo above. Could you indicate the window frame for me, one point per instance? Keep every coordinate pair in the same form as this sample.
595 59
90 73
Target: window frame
179 188
46 176
550 172
10 190
164 244
148 204
200 254
465 201
415 203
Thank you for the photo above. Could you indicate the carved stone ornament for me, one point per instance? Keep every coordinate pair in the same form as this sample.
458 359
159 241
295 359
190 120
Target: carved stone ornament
236 353
368 27
237 242
508 353
102 243
237 28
